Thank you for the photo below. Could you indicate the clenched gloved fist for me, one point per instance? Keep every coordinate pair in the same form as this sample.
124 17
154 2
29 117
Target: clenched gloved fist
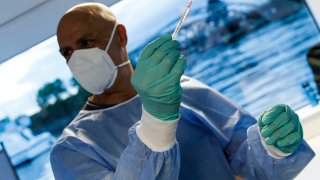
280 126
157 78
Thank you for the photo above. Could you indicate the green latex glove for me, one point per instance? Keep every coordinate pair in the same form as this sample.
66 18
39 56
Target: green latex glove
281 127
157 78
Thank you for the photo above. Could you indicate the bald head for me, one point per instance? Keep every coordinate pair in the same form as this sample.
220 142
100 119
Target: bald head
85 21
90 12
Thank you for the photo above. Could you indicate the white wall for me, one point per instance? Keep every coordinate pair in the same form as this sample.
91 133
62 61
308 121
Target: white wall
24 24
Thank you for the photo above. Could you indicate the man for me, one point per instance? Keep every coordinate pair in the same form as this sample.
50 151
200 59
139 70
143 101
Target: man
188 132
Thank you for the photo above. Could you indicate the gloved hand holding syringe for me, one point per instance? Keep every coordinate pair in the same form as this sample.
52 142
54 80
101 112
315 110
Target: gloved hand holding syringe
183 17
162 98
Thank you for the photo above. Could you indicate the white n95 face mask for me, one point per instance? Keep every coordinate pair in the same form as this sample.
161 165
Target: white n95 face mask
93 68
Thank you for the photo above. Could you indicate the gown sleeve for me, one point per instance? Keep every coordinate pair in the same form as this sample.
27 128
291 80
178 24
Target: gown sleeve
250 159
152 153
238 136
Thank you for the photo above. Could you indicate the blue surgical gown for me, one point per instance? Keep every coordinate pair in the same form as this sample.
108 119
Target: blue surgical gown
215 140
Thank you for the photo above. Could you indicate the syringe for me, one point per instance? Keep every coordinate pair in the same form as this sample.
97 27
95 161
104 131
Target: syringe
183 17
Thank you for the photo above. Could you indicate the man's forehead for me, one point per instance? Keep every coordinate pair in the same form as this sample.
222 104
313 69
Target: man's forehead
69 27
74 18
78 24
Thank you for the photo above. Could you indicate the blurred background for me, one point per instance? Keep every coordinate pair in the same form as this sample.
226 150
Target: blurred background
257 53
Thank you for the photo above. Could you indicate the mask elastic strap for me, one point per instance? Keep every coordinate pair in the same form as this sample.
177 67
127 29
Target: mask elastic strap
112 34
123 64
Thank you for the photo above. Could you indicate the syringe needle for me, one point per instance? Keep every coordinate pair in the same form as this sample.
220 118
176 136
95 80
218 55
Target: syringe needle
183 17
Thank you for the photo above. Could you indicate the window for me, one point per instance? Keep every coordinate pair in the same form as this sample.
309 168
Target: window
254 52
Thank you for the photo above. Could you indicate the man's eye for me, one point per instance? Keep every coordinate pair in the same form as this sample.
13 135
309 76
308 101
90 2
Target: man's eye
86 43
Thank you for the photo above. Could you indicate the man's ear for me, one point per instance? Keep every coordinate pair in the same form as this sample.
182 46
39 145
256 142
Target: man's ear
123 35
